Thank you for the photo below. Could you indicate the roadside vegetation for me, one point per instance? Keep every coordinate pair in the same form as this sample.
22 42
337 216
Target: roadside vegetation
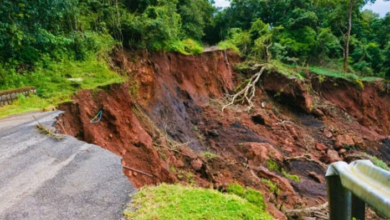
46 43
166 202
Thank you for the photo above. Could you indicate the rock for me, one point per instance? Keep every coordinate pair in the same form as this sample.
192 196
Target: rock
213 133
318 178
197 164
188 152
179 164
321 146
259 153
333 156
283 184
317 112
344 140
328 133
342 151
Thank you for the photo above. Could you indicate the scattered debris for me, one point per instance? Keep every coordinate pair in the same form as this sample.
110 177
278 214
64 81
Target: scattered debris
49 132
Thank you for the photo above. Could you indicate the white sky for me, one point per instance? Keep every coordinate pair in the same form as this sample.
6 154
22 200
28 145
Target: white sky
380 6
222 3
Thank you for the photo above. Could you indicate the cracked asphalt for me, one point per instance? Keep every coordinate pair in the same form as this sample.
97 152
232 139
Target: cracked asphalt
43 178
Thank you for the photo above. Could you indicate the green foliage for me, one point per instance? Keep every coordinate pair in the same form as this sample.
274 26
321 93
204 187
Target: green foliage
186 47
166 202
380 163
226 45
236 189
53 84
305 32
195 15
172 168
209 155
377 162
273 165
251 195
272 186
290 176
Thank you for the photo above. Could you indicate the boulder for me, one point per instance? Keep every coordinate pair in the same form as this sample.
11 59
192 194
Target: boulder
259 153
321 146
344 140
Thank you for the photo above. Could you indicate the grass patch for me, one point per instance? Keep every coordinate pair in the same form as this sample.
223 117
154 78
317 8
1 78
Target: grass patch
186 47
339 74
290 176
273 165
271 185
226 45
377 162
209 155
167 202
251 195
53 84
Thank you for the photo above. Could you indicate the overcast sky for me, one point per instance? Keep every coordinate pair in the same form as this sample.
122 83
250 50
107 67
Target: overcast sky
380 6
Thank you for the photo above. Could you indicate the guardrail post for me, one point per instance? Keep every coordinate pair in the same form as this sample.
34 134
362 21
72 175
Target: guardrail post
358 208
340 199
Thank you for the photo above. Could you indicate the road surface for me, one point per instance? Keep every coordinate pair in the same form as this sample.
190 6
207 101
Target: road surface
43 178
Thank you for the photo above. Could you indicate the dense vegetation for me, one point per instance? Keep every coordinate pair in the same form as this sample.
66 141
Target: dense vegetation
41 38
330 33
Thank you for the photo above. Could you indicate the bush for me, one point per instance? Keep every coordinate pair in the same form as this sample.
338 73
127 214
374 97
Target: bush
186 47
226 45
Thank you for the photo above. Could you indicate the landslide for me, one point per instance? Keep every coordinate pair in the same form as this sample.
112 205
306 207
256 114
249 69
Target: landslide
167 125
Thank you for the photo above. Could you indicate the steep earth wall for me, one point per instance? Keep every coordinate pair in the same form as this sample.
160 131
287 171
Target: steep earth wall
167 125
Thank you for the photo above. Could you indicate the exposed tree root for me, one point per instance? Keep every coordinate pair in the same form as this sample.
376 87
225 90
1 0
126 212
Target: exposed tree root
248 93
321 212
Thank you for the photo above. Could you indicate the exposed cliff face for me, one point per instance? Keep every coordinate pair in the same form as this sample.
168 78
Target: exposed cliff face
172 126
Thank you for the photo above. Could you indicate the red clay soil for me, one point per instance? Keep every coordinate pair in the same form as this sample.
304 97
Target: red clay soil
119 132
173 127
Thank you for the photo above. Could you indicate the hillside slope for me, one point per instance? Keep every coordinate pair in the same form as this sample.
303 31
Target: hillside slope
167 125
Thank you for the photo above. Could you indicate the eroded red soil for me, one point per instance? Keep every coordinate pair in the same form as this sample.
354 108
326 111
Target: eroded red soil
172 128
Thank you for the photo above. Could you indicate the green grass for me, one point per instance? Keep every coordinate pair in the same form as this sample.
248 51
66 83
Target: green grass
209 155
176 202
271 185
290 176
377 162
53 86
251 195
339 74
186 47
226 45
273 165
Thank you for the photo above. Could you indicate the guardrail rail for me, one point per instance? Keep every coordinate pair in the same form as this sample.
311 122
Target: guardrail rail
351 187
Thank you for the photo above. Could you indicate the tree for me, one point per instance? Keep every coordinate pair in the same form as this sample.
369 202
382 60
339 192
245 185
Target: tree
195 16
349 7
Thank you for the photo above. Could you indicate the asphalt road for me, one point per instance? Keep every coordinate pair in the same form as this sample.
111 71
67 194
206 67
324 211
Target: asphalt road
43 178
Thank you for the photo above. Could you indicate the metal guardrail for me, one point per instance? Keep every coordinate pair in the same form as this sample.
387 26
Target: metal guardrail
351 186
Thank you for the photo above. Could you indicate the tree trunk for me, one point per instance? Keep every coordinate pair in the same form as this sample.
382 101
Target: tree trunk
350 9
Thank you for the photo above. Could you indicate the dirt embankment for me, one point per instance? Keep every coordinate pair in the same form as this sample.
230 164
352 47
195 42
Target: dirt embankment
169 125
